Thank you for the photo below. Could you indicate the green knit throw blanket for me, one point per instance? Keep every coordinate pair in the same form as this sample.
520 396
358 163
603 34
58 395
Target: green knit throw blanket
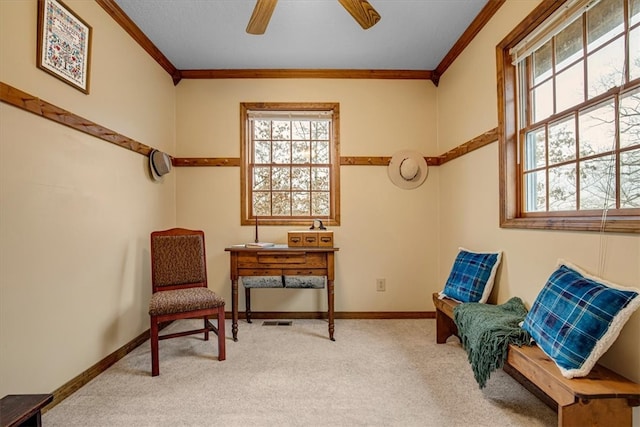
486 330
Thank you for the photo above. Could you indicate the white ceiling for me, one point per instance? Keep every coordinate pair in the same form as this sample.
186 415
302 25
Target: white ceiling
302 34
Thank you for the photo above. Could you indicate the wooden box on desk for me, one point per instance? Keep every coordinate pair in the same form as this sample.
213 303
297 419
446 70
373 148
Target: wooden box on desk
310 238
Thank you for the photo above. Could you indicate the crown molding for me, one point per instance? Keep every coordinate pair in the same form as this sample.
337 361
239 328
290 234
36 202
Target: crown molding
306 74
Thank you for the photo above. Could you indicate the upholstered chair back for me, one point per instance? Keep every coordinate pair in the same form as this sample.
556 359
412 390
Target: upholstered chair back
178 261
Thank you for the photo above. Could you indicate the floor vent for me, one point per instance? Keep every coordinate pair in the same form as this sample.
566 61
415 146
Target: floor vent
277 323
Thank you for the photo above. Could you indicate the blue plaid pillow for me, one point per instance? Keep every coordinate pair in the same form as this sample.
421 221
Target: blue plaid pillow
576 317
472 276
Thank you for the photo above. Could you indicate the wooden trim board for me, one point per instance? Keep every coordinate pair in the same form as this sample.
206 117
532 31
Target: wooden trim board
13 96
37 106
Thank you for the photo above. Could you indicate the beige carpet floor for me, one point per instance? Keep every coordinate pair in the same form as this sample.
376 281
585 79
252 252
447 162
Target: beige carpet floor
376 373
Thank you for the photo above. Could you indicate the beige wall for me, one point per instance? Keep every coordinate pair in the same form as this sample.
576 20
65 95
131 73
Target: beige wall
75 211
386 232
469 197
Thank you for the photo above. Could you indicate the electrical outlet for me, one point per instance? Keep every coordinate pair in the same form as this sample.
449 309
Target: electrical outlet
381 285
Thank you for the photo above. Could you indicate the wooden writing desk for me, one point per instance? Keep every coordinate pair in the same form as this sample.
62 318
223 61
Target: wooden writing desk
281 260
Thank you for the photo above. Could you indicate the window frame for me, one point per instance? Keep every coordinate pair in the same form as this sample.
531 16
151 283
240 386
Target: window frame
246 214
511 210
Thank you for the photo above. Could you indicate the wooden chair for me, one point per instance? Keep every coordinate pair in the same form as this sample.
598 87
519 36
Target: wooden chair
179 279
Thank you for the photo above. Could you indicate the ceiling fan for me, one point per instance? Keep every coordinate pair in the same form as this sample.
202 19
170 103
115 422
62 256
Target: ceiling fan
361 11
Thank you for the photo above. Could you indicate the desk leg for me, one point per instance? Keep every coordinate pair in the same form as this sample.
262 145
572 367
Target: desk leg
234 308
330 304
247 304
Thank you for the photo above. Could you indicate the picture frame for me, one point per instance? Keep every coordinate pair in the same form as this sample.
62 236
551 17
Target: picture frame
64 44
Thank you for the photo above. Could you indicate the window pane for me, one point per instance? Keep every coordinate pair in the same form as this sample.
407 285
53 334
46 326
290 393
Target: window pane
535 192
320 130
604 21
262 152
301 129
301 204
261 204
542 63
568 45
320 153
534 150
630 179
634 53
281 129
262 129
562 188
597 130
542 101
597 183
320 204
522 90
570 87
320 179
562 141
261 179
281 178
300 152
300 178
281 152
605 68
630 119
281 204
634 11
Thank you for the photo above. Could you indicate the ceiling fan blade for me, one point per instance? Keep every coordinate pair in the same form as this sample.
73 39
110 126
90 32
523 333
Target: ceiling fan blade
260 17
362 12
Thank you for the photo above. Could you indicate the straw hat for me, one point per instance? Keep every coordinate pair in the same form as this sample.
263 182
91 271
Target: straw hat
407 169
159 163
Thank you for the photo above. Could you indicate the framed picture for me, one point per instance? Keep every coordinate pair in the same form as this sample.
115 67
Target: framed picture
64 44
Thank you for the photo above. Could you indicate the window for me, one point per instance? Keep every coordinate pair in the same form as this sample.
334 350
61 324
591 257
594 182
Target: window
569 102
290 163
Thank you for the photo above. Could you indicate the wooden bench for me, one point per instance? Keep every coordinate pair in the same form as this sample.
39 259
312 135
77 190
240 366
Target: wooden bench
602 398
23 409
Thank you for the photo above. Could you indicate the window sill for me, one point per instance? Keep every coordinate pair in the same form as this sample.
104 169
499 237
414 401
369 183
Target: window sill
627 224
288 222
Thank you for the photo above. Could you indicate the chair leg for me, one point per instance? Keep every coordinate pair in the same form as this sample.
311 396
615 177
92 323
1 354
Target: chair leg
155 363
247 304
222 352
206 328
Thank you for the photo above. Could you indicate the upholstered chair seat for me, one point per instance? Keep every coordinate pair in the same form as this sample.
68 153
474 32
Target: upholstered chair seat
181 300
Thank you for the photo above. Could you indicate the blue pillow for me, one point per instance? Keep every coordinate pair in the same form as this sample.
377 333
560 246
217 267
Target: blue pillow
576 317
472 276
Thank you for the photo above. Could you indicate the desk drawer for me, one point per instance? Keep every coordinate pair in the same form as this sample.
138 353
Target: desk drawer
310 238
281 258
295 239
252 272
304 272
325 239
